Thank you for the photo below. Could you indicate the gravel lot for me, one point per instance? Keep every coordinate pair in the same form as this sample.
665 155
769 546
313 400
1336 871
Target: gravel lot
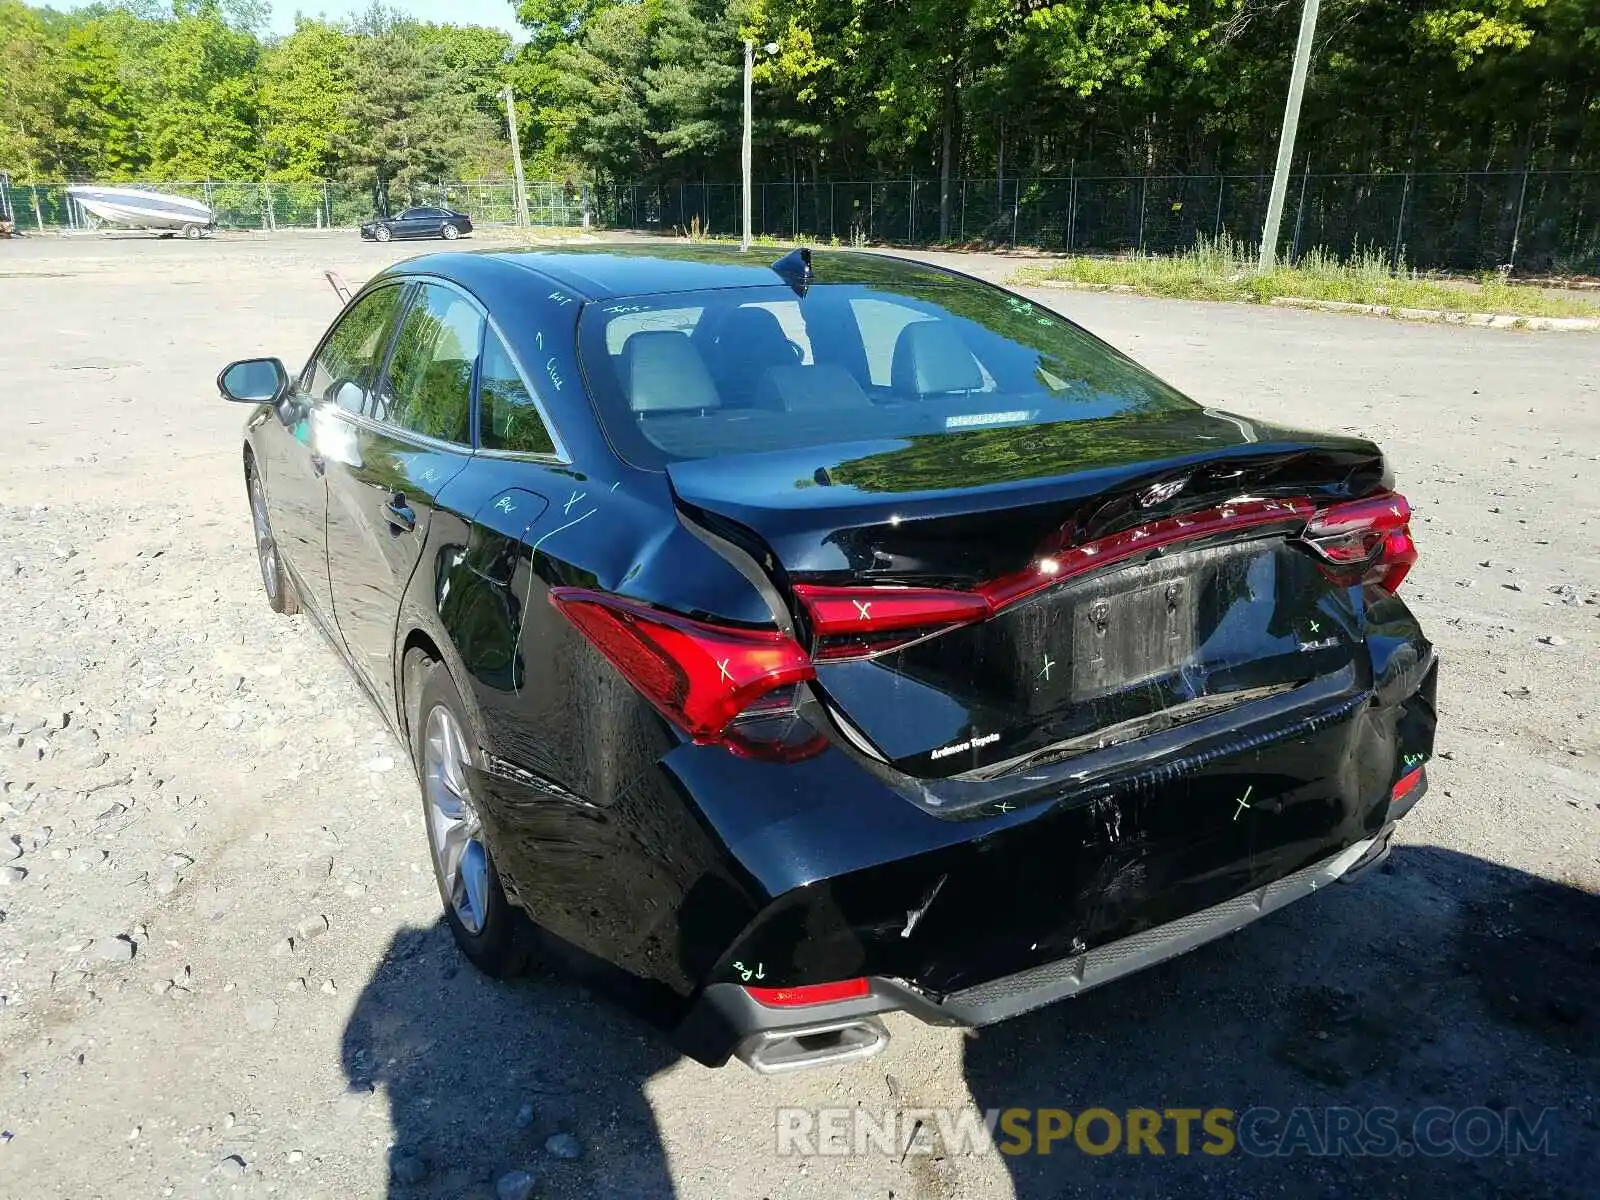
221 965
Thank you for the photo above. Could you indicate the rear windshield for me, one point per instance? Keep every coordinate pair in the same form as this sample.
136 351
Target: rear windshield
701 374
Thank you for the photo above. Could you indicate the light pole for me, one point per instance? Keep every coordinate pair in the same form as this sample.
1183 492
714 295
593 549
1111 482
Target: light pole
744 156
516 156
1291 122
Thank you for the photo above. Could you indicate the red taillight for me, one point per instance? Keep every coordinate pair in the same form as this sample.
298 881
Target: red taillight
809 993
699 676
851 622
1407 785
857 622
1365 541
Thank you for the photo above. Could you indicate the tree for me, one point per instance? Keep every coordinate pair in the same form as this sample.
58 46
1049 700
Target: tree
599 81
552 23
97 109
692 89
201 123
649 90
27 130
407 119
305 93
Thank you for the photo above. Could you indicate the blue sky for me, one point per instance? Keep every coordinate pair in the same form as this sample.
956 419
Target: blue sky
500 13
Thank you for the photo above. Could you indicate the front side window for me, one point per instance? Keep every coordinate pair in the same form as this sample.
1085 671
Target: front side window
740 370
344 370
428 387
508 418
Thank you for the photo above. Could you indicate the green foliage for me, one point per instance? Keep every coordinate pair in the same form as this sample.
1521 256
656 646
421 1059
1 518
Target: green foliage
201 113
188 90
303 97
650 90
1226 270
692 86
26 86
407 118
552 22
598 82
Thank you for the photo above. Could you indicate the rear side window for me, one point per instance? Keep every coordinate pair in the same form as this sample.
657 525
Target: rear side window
428 388
508 417
344 369
750 369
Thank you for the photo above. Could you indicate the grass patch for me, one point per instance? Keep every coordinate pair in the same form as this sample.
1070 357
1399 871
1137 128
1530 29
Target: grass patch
535 234
699 234
1226 270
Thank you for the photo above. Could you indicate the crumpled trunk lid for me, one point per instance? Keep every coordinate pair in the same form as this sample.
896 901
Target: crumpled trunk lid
1110 653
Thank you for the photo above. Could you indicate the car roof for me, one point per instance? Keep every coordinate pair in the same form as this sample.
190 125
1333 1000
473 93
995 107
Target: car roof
608 271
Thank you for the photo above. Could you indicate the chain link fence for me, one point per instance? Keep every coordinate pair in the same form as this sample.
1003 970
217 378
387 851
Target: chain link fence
1531 221
1461 221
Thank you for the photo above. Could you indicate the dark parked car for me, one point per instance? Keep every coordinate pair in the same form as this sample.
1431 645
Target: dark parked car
419 223
797 642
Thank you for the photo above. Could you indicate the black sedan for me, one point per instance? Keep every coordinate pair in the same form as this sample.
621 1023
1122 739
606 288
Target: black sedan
789 643
443 223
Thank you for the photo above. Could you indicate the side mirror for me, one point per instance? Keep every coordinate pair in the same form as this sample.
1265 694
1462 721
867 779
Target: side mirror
254 381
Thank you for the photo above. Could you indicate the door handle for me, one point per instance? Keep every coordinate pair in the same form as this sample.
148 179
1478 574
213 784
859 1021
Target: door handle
400 515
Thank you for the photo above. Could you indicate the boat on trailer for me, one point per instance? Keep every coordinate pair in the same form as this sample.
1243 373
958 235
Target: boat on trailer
136 208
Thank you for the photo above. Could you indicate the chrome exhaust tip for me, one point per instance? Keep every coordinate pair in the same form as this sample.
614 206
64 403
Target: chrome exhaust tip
829 1043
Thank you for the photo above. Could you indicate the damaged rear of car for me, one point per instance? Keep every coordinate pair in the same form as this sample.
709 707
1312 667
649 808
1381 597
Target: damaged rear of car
1074 674
796 642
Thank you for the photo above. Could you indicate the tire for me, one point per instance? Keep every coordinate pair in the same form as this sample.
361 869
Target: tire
192 232
493 933
382 234
449 232
281 595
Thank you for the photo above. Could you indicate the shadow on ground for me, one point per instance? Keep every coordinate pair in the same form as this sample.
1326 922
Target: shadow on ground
460 1058
1436 980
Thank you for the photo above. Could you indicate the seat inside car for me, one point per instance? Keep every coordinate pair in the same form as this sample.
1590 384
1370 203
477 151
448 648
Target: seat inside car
662 372
932 359
746 343
821 388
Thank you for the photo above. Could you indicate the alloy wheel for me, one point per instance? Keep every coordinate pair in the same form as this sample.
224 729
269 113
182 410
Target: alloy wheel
455 836
266 549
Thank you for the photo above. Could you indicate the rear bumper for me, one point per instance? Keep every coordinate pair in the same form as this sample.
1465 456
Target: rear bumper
728 1022
1012 995
1011 919
706 872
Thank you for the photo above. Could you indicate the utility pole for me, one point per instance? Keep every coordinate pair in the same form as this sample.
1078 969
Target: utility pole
744 152
744 149
1291 122
516 156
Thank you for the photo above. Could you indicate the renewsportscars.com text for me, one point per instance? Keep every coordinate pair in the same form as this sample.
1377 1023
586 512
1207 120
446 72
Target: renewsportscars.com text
1260 1132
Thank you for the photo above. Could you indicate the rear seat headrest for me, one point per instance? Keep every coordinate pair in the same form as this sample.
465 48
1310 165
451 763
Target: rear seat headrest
661 371
931 358
816 388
